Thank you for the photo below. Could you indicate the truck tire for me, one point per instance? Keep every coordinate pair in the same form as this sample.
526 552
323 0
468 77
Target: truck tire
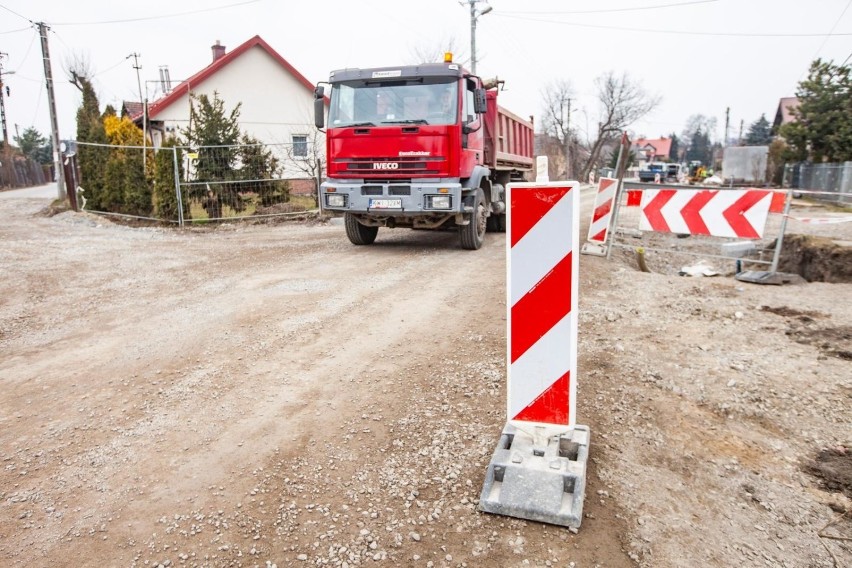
359 234
473 233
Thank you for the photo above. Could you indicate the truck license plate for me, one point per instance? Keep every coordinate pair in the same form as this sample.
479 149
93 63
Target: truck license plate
386 204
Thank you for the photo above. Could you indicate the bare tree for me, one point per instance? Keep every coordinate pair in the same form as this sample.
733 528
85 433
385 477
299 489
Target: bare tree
623 102
434 52
311 162
696 123
556 123
78 69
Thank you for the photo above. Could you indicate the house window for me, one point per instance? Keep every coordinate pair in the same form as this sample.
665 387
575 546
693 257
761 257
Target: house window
300 146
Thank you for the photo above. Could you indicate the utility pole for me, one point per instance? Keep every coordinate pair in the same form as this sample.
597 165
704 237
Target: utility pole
142 101
567 142
51 103
7 151
727 124
740 142
474 16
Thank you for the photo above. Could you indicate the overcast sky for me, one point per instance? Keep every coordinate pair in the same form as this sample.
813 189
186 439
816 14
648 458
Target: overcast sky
700 56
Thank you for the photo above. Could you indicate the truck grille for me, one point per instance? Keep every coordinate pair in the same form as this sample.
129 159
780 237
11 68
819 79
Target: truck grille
392 190
418 166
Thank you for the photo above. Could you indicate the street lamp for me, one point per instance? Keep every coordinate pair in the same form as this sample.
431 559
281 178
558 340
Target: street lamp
474 16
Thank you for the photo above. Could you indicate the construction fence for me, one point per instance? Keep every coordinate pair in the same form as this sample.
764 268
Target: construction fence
831 182
182 185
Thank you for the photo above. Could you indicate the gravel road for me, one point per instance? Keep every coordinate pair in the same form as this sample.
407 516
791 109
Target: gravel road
270 395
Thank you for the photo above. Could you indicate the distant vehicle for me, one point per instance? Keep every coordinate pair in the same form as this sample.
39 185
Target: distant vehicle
654 169
674 172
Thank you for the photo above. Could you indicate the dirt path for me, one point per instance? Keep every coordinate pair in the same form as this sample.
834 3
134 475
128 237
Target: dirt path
259 395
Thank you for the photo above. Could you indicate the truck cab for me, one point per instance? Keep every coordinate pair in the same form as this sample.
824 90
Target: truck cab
406 147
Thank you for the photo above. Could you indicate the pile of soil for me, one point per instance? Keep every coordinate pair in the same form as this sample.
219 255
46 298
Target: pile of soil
816 259
833 467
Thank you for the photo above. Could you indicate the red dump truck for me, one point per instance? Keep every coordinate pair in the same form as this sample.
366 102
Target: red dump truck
420 146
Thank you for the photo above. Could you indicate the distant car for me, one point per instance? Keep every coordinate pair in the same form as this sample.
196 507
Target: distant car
654 169
674 172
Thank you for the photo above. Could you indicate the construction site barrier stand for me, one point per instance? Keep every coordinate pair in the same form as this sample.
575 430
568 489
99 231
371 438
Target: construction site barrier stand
538 470
596 242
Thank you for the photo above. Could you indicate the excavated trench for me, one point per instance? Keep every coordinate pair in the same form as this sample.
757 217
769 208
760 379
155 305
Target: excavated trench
817 259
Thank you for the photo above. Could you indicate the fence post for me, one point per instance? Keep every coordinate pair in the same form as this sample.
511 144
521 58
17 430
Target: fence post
776 257
177 186
620 170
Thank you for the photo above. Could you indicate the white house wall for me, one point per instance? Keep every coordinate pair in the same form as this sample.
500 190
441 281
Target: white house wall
275 105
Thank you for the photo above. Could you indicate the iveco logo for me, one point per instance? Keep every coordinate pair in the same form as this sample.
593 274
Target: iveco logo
385 166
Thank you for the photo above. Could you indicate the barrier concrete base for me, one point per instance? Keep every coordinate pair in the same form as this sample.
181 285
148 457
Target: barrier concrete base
765 277
593 249
545 483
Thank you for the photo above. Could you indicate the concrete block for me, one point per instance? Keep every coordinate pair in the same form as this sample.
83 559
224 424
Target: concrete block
538 483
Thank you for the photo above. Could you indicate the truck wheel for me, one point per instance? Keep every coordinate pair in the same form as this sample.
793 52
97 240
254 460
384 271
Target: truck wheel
359 234
473 233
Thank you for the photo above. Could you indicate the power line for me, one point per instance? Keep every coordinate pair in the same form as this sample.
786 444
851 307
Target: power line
16 31
17 14
831 31
112 67
29 47
674 32
161 17
638 8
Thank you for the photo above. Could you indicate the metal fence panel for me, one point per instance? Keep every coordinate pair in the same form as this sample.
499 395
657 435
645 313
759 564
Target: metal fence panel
183 184
824 182
686 249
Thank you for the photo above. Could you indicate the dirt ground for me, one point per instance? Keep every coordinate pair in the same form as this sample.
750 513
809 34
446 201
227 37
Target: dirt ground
269 395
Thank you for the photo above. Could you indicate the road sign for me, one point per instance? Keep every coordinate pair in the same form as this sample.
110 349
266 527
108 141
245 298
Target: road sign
719 213
602 214
538 470
542 302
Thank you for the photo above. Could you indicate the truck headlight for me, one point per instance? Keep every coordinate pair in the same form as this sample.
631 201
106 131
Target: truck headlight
335 200
439 201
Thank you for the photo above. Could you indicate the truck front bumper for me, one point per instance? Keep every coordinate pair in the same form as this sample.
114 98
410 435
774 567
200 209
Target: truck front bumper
392 199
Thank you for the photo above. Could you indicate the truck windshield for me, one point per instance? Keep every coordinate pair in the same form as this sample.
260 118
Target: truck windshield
413 101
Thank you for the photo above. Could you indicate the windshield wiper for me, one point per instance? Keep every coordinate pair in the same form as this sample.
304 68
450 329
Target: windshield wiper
358 124
407 121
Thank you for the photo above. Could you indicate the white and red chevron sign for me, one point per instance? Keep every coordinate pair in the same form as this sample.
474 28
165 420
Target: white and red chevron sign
602 213
542 282
719 213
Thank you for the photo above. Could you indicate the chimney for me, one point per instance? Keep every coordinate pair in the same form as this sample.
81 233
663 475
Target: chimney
218 50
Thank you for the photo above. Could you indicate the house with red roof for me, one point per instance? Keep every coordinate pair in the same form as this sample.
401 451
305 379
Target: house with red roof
276 99
652 149
784 113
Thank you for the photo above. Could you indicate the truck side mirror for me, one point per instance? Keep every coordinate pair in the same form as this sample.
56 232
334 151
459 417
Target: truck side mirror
319 106
479 103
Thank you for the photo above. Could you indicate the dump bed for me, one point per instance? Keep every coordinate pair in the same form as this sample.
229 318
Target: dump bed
508 138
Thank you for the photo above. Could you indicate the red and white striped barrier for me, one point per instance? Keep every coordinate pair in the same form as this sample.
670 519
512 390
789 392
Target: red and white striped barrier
779 198
602 214
542 266
538 470
719 213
